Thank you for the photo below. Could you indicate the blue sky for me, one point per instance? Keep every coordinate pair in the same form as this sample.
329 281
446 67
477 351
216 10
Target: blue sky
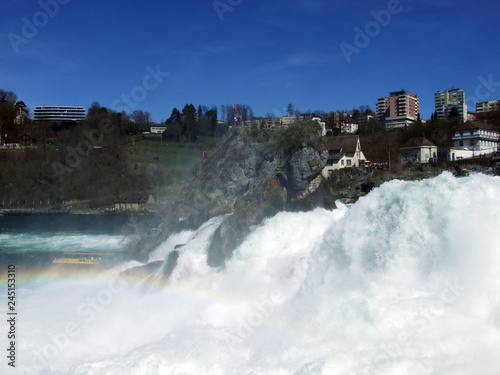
265 54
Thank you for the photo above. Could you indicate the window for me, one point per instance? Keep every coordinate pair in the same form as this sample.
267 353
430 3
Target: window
342 162
348 162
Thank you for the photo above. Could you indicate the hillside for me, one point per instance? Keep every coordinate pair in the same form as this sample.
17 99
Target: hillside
47 177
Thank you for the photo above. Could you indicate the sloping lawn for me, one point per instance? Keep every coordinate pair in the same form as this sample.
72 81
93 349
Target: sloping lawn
174 159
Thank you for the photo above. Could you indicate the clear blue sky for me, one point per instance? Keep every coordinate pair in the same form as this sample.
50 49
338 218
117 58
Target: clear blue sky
263 53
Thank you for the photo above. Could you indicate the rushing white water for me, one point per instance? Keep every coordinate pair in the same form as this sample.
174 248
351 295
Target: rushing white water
405 281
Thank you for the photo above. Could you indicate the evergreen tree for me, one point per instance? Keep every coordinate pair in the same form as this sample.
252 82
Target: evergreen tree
189 121
453 113
175 117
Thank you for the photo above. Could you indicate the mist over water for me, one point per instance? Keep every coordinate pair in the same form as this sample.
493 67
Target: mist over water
405 281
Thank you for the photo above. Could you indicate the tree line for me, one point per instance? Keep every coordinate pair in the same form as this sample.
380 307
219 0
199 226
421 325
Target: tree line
192 122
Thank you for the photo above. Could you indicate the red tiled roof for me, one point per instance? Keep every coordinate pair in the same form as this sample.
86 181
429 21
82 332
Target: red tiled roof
470 125
418 142
346 143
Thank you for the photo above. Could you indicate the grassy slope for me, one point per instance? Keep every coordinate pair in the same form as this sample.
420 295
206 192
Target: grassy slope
175 160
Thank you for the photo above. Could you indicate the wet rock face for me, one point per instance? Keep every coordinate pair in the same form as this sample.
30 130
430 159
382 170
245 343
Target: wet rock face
304 165
272 176
243 164
170 263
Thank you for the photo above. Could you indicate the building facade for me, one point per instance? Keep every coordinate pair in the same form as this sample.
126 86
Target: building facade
419 150
478 137
321 123
134 202
444 101
265 122
59 113
157 129
349 127
289 120
399 110
488 106
344 151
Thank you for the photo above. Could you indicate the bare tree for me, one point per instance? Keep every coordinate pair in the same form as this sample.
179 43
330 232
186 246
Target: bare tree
223 112
142 119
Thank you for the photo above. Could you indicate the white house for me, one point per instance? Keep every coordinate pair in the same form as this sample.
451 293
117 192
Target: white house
158 129
349 127
321 123
419 150
343 151
478 138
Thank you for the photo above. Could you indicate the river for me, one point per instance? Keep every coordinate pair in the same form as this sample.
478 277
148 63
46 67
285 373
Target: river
404 281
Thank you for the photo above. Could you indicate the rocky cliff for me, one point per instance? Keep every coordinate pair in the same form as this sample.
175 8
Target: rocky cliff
252 175
256 174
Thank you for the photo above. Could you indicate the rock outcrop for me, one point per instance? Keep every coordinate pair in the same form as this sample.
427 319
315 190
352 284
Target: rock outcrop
252 175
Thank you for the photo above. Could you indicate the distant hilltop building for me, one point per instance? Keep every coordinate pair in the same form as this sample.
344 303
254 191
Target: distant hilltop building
59 113
157 129
488 106
444 101
399 110
349 127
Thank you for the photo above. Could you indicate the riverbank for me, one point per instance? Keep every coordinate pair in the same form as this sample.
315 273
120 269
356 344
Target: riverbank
349 184
90 211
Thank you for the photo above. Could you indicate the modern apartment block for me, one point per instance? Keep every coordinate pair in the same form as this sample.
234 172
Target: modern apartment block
444 101
488 106
400 109
59 113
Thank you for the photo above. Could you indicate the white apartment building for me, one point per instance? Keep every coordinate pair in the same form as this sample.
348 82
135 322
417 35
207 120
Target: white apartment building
59 113
488 106
444 101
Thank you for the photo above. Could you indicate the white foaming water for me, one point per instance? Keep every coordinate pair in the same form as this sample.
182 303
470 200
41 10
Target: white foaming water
405 281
